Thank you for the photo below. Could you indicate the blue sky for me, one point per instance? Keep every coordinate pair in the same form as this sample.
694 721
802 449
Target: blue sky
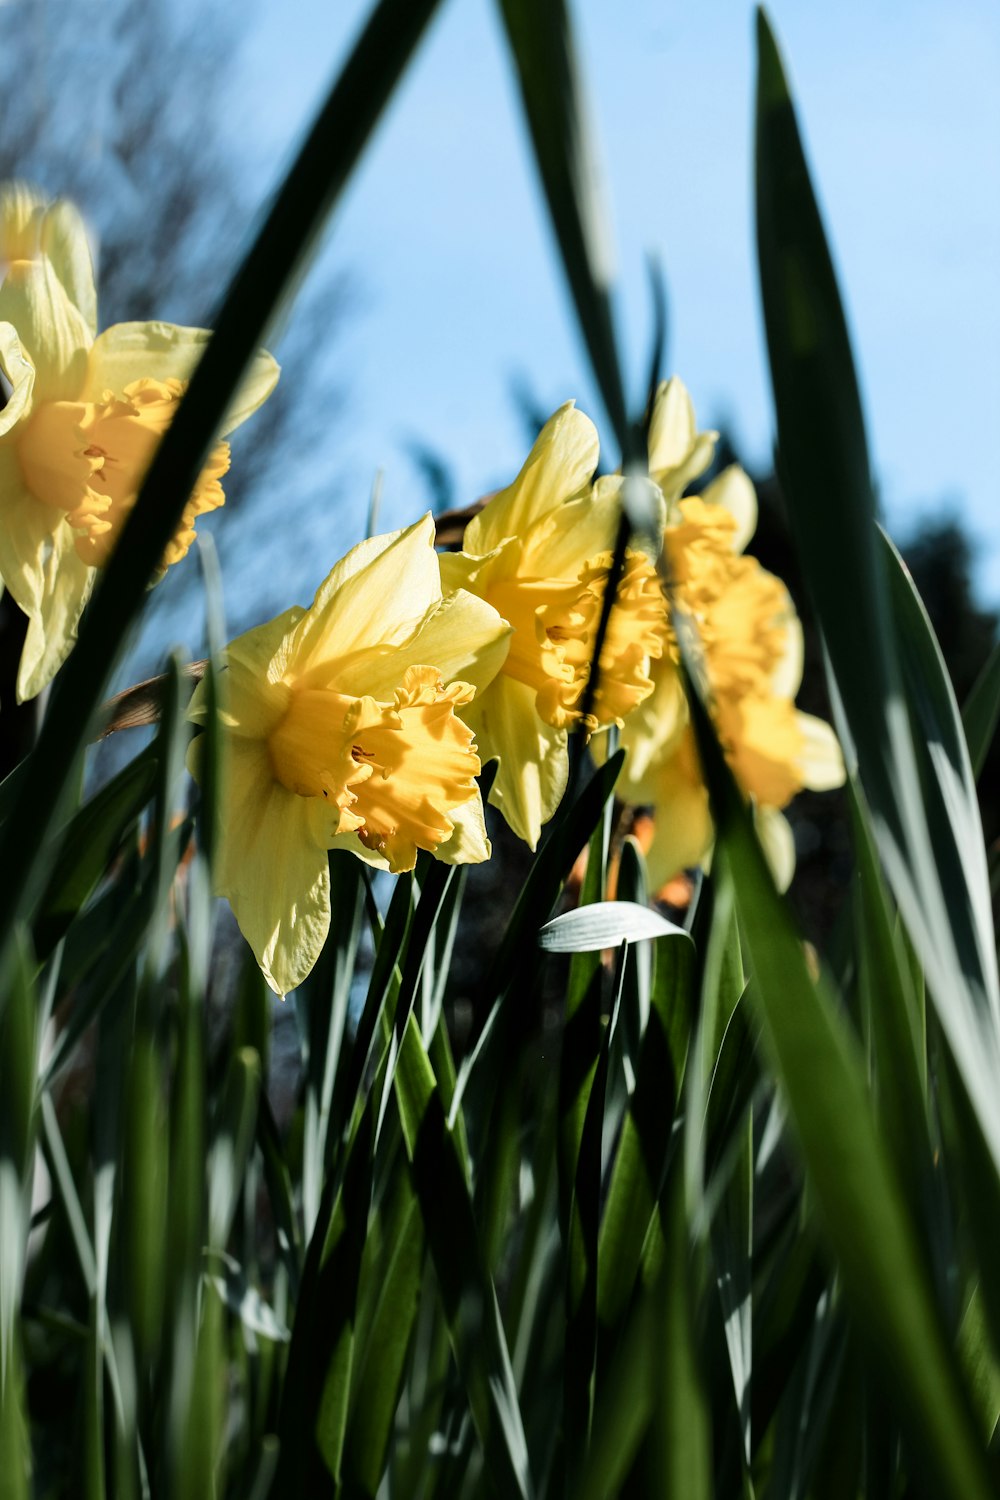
445 235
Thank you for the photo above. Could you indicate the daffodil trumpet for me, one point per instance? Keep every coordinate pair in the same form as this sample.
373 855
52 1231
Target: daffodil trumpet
342 729
83 417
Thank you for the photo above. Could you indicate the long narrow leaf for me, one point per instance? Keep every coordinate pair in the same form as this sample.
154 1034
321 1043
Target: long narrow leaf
824 464
640 1164
467 1291
982 711
856 1189
92 837
542 45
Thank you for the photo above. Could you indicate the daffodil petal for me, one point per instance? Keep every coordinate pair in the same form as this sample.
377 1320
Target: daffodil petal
534 759
271 869
560 465
364 554
52 631
458 571
652 733
468 845
255 387
735 493
821 761
671 426
133 351
678 452
264 649
585 529
395 580
20 372
462 636
579 531
765 746
21 210
683 827
166 351
50 328
646 498
778 844
64 241
41 568
252 698
477 574
673 431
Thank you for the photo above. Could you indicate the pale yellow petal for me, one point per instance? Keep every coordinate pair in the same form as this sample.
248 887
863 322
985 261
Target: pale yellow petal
652 732
135 351
678 452
468 845
778 844
683 829
462 636
576 534
371 603
270 868
20 372
22 208
40 566
52 630
459 571
52 331
560 465
671 426
821 762
167 351
252 697
735 493
534 760
257 384
764 746
31 226
477 574
64 241
647 505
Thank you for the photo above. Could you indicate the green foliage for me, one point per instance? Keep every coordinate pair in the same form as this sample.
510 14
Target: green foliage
692 1214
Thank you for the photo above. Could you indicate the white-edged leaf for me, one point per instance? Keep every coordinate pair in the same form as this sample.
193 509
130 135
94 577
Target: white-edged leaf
604 924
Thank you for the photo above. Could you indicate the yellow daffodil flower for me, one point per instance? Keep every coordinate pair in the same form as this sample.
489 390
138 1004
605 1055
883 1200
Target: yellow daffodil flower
539 552
750 647
82 421
341 731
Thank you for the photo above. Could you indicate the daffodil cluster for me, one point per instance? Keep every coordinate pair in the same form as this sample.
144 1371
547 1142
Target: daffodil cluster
84 413
539 551
362 722
750 645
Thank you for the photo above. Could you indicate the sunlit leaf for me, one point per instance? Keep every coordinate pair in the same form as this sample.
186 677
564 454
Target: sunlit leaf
605 924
